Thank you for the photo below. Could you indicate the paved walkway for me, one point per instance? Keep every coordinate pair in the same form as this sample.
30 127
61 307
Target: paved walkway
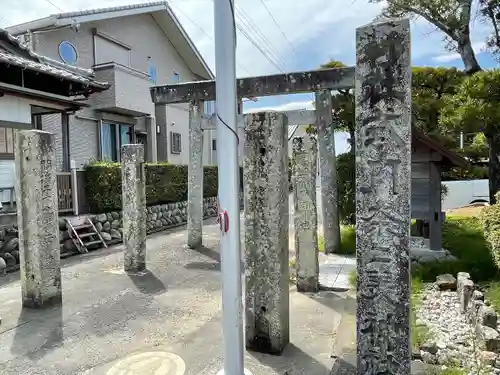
334 271
166 322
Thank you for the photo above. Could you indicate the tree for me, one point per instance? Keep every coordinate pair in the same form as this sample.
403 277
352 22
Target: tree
452 17
430 86
490 12
476 106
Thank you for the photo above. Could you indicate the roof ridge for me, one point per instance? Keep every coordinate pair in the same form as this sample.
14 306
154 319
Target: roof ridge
109 9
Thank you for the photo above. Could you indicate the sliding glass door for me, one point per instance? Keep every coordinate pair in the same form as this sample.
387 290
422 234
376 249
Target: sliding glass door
113 136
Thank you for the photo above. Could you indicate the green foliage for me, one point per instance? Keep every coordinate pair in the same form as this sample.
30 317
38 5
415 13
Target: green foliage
490 218
475 106
346 189
429 89
477 150
473 172
451 17
465 238
347 241
165 183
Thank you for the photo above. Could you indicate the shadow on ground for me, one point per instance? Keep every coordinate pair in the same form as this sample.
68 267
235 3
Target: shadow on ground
36 343
148 283
292 361
214 265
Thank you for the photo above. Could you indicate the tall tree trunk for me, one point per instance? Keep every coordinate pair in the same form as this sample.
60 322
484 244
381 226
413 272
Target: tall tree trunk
494 164
468 55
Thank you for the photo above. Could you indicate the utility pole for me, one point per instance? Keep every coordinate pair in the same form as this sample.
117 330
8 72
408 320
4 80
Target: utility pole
229 200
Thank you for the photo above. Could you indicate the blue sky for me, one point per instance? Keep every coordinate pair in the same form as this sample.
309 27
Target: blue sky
295 35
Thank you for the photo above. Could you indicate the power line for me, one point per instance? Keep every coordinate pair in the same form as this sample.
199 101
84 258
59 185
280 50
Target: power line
204 32
247 21
55 6
279 27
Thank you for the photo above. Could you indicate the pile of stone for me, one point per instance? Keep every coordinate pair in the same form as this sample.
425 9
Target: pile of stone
463 327
9 250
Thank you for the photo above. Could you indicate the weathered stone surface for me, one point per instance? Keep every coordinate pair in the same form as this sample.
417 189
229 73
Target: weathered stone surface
195 176
488 358
106 236
383 180
328 171
477 296
487 316
266 232
446 282
489 337
10 244
36 192
3 267
134 207
305 159
465 289
9 259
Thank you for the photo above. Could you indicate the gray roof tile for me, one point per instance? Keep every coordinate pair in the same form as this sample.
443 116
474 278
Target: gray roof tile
29 60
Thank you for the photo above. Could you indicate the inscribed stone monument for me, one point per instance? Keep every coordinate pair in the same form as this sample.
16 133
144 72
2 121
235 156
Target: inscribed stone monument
36 191
383 180
266 232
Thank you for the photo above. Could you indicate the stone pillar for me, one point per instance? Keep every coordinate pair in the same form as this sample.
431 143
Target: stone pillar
305 159
195 176
266 232
328 172
152 142
134 207
383 184
36 191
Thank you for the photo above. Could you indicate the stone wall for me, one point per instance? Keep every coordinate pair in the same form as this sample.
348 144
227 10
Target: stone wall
463 329
159 217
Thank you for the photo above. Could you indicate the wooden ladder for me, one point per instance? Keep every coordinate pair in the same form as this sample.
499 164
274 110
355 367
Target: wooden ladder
84 234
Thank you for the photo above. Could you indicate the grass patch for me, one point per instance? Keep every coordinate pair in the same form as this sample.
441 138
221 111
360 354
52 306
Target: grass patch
419 334
492 293
447 371
347 241
464 237
352 279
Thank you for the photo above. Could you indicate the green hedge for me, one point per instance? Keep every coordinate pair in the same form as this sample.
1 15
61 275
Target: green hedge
165 183
490 219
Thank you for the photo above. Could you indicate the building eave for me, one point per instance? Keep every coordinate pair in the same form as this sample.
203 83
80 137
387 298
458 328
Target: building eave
65 19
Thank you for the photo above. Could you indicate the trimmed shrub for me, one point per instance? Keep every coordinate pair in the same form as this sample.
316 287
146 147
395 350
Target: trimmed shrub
490 219
165 183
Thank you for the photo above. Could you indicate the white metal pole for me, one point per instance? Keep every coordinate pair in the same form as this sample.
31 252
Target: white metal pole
227 160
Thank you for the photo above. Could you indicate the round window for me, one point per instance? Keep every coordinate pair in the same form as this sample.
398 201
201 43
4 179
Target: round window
67 53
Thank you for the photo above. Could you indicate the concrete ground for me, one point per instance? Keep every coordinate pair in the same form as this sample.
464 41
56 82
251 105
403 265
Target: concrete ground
166 322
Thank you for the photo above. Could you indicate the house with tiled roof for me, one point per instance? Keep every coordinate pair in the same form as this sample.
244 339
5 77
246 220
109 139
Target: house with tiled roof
132 47
33 86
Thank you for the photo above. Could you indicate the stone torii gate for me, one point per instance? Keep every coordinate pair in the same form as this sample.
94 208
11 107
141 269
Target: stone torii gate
382 87
322 82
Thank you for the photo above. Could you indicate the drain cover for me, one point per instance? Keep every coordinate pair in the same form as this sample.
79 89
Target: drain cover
149 363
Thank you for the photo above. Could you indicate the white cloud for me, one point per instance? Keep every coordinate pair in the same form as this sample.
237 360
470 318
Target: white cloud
452 56
284 107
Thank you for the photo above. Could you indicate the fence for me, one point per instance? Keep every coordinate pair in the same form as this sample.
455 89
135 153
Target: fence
64 192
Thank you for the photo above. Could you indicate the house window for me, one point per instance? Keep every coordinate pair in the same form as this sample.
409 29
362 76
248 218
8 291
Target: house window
152 71
175 140
68 53
209 107
6 143
214 144
176 77
113 136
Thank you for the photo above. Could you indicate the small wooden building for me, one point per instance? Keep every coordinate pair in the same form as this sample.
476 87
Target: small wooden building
428 158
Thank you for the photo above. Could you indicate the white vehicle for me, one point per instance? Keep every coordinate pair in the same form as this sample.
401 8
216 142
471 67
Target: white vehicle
464 193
